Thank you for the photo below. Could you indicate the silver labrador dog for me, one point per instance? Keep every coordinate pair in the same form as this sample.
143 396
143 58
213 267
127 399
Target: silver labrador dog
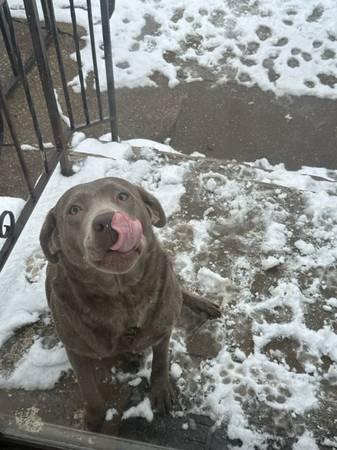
110 286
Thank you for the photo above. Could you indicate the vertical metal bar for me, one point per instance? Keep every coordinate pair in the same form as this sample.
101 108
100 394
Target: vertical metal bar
47 84
23 166
105 8
54 31
23 78
94 59
79 61
7 40
111 7
46 15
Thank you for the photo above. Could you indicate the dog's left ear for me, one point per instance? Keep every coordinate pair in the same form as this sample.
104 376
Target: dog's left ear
154 208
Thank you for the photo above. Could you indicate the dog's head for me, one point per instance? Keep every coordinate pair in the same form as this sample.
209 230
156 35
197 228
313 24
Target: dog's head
106 224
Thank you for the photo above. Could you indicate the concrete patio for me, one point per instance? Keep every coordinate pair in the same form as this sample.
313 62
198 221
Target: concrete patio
229 265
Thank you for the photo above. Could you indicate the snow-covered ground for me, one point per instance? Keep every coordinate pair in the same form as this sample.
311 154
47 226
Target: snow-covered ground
286 46
258 239
262 249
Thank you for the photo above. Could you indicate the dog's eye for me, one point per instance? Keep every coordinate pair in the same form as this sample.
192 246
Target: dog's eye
74 209
122 196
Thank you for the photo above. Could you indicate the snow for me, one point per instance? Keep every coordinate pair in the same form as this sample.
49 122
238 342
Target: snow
147 144
76 138
239 355
332 302
275 237
46 145
176 371
288 47
306 442
135 381
92 146
143 409
301 179
270 262
59 108
306 248
197 155
39 368
211 282
27 147
110 413
330 442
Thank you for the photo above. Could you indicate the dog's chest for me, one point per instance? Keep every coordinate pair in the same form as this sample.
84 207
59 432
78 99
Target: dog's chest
120 315
123 325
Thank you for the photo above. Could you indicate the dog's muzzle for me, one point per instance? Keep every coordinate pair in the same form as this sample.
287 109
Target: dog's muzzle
117 231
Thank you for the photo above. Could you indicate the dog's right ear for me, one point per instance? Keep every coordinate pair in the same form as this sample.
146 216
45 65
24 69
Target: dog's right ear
153 207
48 238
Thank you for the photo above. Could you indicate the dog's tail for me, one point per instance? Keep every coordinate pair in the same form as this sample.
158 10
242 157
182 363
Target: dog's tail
201 305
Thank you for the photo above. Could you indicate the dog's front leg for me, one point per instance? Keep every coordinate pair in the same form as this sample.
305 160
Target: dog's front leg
88 380
161 390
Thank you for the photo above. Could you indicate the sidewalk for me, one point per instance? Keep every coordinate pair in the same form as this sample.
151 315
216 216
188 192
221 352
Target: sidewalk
226 121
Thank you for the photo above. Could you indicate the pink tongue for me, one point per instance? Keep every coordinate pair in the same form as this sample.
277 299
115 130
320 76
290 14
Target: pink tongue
129 232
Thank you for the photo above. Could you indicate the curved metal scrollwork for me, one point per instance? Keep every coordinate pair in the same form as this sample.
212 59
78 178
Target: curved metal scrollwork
6 230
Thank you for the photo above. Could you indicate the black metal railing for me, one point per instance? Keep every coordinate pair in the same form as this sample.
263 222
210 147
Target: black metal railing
43 35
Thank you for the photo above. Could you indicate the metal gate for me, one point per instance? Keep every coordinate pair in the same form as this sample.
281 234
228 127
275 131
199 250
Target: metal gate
44 33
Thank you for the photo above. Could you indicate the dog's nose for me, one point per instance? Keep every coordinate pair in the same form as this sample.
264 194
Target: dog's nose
105 234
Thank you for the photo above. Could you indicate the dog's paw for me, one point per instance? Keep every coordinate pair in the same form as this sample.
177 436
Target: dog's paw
162 398
93 421
211 310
